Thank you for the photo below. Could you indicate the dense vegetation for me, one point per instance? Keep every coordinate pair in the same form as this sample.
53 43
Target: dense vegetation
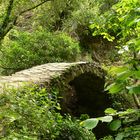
32 113
34 32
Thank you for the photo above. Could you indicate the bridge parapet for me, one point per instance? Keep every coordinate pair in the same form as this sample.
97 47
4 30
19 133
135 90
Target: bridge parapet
46 73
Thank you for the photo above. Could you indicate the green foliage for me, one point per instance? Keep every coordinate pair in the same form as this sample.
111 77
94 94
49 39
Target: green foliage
110 111
121 22
12 10
107 138
32 113
72 131
28 114
125 124
66 14
129 133
126 80
115 125
93 122
24 50
90 123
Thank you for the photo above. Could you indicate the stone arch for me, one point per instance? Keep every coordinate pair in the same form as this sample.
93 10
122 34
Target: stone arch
81 84
82 89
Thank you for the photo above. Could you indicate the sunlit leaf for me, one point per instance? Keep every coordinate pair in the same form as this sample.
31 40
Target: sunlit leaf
92 26
90 123
134 89
137 42
128 111
124 75
114 88
106 118
137 74
116 70
110 111
107 36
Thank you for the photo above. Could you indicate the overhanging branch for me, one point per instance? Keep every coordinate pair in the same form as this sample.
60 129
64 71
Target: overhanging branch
33 7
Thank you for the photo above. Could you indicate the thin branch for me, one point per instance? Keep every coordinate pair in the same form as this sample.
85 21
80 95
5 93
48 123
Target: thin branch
33 7
27 10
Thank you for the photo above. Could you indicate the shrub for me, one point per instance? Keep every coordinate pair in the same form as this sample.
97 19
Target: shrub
129 133
32 113
27 114
73 131
26 49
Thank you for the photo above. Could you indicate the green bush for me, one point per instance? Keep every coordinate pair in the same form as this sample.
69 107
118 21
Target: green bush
73 131
107 138
24 49
129 133
32 113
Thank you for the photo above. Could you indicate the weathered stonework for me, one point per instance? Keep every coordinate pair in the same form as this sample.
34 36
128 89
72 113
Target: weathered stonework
63 77
81 84
48 74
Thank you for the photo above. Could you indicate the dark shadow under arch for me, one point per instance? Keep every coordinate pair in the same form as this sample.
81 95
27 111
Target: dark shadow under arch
86 95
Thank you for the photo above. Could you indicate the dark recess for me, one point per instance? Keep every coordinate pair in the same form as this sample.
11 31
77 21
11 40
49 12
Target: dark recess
86 96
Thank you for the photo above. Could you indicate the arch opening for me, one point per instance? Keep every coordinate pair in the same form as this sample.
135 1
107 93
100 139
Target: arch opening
86 96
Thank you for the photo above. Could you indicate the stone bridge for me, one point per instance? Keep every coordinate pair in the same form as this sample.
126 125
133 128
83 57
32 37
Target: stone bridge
81 84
